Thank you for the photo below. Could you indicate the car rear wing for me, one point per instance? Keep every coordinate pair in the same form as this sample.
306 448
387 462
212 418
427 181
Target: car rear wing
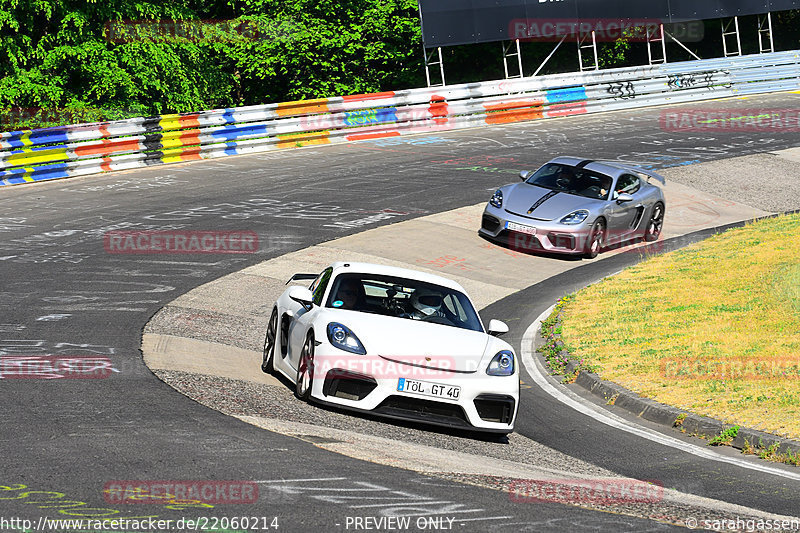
638 170
302 277
651 174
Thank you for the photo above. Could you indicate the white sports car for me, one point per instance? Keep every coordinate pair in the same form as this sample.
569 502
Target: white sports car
393 342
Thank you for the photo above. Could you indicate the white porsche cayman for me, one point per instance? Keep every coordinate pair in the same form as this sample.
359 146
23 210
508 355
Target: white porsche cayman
393 342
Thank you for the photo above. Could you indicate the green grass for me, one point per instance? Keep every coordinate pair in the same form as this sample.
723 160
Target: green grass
713 328
787 282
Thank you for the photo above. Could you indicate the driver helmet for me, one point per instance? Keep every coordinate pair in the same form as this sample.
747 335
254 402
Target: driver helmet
565 174
426 301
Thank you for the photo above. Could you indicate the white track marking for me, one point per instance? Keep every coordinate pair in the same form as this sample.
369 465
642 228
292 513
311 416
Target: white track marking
301 480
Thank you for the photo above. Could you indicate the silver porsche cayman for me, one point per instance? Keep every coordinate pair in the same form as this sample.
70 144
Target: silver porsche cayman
576 206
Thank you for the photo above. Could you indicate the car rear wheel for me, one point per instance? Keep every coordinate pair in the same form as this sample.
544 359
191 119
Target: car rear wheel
267 362
305 370
656 223
594 243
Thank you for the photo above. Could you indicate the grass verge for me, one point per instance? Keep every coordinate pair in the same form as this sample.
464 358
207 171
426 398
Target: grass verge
713 328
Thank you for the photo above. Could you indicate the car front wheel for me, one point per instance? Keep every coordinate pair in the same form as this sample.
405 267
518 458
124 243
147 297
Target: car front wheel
594 243
267 362
305 370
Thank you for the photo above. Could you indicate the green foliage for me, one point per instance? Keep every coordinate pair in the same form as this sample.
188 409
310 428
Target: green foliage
74 59
65 61
554 351
610 55
772 453
725 438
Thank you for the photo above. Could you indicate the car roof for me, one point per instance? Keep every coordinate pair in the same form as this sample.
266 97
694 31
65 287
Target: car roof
609 168
344 267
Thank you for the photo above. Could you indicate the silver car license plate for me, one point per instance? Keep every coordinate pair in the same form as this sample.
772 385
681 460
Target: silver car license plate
513 226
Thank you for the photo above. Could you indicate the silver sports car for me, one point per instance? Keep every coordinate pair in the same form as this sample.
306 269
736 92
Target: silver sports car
576 206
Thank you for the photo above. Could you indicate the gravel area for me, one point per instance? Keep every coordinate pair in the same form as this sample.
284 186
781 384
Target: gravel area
748 180
236 397
669 512
201 324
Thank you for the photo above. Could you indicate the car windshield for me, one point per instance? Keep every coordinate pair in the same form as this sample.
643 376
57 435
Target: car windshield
403 298
572 180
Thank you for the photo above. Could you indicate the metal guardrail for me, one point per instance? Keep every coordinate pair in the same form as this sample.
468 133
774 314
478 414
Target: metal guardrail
82 149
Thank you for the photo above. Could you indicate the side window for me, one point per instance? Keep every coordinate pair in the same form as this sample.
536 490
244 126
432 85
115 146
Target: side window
454 306
628 184
448 303
320 284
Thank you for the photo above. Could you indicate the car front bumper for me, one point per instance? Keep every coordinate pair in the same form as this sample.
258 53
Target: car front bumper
532 235
485 403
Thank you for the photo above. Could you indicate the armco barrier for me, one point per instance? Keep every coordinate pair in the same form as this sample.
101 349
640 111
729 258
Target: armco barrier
50 153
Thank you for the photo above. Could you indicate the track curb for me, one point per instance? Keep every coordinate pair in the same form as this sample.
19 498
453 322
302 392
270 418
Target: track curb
668 416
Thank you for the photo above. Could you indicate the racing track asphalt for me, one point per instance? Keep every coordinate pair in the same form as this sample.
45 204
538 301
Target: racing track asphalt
212 337
62 294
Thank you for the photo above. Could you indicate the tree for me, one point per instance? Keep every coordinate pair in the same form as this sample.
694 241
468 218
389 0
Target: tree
74 59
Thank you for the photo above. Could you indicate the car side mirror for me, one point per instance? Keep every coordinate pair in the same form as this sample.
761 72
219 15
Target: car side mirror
624 197
524 175
497 328
302 295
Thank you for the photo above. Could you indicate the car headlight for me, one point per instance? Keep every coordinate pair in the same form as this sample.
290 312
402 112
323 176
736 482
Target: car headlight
576 217
340 336
502 364
497 199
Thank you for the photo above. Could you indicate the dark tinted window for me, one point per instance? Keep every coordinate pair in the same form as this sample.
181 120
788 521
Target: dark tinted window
572 180
628 184
391 296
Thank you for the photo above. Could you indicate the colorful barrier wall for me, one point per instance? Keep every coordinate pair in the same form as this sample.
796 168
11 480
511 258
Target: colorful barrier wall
82 149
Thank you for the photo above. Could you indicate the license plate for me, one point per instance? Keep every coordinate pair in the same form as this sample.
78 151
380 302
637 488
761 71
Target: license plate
437 390
513 226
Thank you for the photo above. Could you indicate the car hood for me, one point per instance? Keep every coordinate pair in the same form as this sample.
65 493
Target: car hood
415 342
545 204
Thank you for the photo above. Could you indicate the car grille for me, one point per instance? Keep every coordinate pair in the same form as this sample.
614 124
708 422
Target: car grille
495 408
347 385
424 411
560 240
489 223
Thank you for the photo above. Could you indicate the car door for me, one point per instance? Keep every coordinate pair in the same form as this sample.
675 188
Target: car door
303 319
624 217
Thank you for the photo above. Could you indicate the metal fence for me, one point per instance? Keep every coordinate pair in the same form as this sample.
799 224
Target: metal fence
51 153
